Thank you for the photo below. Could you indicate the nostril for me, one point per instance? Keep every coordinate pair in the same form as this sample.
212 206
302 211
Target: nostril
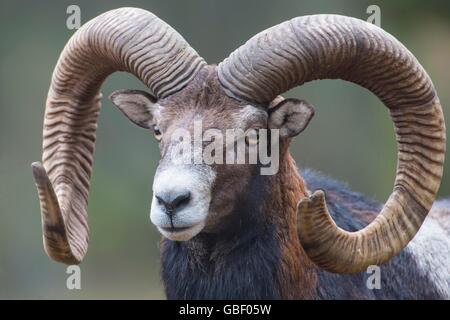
181 199
173 201
160 200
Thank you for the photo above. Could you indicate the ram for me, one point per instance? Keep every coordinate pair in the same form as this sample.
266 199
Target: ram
228 230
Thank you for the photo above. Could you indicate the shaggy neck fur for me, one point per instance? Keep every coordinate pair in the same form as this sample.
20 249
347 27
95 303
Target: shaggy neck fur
258 256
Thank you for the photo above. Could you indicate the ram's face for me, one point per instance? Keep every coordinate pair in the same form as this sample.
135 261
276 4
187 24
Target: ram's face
194 186
211 147
198 132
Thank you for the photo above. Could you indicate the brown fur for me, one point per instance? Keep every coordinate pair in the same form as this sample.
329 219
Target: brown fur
298 275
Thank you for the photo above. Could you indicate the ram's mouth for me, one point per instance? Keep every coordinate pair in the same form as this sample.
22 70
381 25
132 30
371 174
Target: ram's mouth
176 229
183 233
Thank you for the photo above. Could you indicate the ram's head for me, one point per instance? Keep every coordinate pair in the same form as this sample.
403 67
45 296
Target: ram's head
241 93
206 140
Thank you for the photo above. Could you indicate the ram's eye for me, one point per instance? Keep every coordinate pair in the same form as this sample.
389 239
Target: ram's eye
251 137
157 133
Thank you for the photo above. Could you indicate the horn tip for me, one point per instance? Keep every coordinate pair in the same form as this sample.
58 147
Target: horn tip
316 197
39 172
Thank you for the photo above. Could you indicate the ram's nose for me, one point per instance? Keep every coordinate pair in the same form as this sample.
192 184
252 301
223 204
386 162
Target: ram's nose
171 202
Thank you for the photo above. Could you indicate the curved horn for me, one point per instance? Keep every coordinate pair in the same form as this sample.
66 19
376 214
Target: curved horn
125 39
337 47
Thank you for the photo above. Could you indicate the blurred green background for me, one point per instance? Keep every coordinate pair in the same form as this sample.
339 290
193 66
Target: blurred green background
350 138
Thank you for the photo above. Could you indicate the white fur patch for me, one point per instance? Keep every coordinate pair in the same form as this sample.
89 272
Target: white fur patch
431 249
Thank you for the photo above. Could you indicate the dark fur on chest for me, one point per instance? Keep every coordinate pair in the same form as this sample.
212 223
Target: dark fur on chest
239 263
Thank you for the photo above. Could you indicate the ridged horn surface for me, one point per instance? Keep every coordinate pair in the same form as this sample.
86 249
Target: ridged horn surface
125 39
337 47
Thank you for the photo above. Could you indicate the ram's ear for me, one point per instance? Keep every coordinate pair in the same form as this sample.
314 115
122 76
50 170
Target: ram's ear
290 116
138 106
